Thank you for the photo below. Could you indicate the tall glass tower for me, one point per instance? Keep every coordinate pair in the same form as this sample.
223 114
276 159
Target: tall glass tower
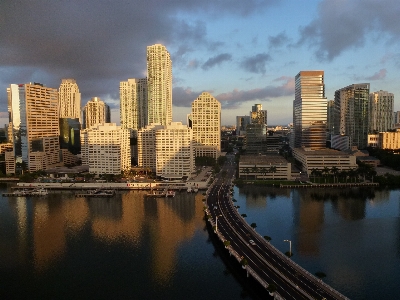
159 84
69 99
310 110
351 114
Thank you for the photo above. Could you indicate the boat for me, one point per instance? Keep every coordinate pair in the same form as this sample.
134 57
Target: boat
195 190
189 189
99 193
170 193
156 194
39 192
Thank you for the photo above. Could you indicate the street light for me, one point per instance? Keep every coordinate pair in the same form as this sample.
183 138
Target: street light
216 222
290 247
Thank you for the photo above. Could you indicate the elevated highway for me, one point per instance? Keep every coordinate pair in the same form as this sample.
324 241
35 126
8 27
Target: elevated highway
260 259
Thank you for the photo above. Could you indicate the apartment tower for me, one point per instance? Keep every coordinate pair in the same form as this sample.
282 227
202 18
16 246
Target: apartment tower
381 111
69 99
351 113
95 112
106 149
133 106
310 110
206 125
159 84
34 118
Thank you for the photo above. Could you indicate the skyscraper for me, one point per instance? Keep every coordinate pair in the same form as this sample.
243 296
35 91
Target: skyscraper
34 118
206 125
133 108
95 112
381 111
258 115
69 99
310 110
351 114
159 84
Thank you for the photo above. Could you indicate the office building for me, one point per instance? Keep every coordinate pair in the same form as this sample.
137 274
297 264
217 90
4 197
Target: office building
146 141
69 99
206 125
133 103
256 139
241 124
381 111
106 149
330 116
159 85
34 118
310 110
351 113
258 115
389 140
95 112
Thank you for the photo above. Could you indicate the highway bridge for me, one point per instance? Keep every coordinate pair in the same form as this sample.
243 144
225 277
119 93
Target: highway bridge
261 260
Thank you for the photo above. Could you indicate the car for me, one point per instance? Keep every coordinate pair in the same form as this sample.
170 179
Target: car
252 243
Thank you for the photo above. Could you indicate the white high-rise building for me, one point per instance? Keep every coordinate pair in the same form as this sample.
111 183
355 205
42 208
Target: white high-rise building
166 149
105 149
69 99
34 119
206 125
381 105
133 106
94 113
159 84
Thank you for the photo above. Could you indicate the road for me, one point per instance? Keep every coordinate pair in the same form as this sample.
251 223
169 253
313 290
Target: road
269 264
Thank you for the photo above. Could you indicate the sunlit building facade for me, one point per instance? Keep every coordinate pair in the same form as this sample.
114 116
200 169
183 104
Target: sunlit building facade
106 149
133 103
159 84
69 99
34 114
95 113
310 110
258 115
381 111
351 113
206 125
389 140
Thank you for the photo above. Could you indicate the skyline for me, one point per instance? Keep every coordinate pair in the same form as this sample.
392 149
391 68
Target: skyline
241 52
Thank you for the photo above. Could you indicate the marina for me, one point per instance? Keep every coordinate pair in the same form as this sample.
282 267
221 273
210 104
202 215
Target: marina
27 193
99 193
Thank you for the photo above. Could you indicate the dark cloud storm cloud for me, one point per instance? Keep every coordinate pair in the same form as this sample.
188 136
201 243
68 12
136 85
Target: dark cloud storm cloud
342 25
99 42
381 74
278 40
256 64
216 60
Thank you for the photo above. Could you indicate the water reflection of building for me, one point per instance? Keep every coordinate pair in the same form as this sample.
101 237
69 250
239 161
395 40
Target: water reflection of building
52 220
309 218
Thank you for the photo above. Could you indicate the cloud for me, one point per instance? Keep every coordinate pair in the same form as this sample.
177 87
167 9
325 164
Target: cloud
278 41
343 25
101 42
256 63
183 97
381 74
216 60
236 97
378 75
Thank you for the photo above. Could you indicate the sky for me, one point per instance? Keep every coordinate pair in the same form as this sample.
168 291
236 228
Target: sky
242 52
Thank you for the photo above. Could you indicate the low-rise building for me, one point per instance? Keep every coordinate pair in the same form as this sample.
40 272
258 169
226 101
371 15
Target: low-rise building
319 159
389 140
264 167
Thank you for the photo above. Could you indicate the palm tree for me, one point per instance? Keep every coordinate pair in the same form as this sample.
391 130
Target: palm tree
246 171
272 170
314 173
267 238
253 225
264 171
254 170
335 172
325 171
